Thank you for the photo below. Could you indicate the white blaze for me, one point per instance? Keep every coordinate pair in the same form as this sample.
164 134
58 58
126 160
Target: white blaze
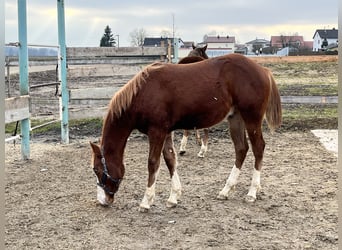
101 195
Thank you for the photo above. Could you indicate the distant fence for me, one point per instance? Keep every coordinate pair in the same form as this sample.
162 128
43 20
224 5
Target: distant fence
91 102
123 55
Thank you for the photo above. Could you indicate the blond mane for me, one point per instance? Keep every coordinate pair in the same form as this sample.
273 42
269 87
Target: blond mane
123 98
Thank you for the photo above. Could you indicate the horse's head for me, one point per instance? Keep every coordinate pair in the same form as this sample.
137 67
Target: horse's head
199 51
107 185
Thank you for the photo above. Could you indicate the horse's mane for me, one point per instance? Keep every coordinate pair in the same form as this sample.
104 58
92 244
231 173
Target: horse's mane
123 98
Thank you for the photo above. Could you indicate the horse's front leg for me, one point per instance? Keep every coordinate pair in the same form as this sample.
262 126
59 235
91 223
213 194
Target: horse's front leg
156 141
171 162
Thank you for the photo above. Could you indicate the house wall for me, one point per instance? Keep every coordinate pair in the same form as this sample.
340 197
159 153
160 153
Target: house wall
317 42
221 45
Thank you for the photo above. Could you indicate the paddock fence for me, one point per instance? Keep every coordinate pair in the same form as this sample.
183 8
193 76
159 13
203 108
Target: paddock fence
95 74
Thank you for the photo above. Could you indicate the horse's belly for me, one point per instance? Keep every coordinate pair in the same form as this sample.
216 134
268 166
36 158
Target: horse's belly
203 120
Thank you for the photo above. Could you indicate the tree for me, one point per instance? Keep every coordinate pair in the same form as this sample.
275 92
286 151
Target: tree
165 34
107 39
137 37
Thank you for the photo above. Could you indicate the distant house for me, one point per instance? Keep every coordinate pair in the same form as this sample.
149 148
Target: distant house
294 43
323 38
257 44
287 41
218 45
187 44
185 48
160 42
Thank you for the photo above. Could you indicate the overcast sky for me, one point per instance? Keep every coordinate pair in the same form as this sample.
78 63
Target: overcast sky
85 20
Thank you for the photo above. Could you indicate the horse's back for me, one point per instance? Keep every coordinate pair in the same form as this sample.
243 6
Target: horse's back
201 94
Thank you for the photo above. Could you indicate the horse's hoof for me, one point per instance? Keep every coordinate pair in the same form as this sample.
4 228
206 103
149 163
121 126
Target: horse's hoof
200 155
170 204
250 199
182 152
222 197
144 209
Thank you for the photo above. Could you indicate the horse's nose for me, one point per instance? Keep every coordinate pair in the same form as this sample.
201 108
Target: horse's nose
103 198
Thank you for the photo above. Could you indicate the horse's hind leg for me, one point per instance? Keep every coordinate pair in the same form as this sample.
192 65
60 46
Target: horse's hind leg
204 143
184 141
258 146
238 134
171 162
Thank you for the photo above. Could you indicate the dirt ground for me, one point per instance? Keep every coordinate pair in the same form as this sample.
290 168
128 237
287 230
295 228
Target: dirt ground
51 200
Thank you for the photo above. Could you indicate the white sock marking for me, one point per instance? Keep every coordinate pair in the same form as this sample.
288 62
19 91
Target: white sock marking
148 199
184 141
150 193
204 149
176 189
255 185
230 183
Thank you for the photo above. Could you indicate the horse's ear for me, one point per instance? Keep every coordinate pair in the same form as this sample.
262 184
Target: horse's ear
95 148
205 47
193 46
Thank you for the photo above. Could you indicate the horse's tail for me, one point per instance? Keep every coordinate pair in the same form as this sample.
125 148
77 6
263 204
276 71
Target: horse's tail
273 110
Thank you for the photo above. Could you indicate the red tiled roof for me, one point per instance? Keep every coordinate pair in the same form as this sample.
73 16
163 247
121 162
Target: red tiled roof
278 41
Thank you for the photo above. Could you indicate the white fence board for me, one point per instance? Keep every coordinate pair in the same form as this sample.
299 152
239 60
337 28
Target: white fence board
17 108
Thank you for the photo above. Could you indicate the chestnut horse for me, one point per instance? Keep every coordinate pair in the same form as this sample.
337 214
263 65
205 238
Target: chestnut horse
164 97
197 54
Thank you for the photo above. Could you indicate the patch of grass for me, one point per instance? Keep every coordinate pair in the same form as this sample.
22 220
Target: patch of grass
308 90
306 117
88 124
302 111
306 78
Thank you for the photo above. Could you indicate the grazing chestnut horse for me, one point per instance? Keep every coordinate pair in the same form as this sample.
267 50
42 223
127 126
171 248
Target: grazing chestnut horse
164 97
197 54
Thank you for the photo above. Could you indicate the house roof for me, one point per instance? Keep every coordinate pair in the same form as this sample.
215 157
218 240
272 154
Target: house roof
188 44
258 41
286 39
328 34
156 41
219 39
279 41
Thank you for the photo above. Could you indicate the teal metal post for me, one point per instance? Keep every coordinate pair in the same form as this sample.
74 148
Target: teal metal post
63 74
23 76
175 50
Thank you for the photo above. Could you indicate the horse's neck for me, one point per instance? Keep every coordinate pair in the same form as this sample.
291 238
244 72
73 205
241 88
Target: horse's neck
114 138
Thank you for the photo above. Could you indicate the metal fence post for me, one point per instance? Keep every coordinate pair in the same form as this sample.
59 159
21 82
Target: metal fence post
62 69
23 76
